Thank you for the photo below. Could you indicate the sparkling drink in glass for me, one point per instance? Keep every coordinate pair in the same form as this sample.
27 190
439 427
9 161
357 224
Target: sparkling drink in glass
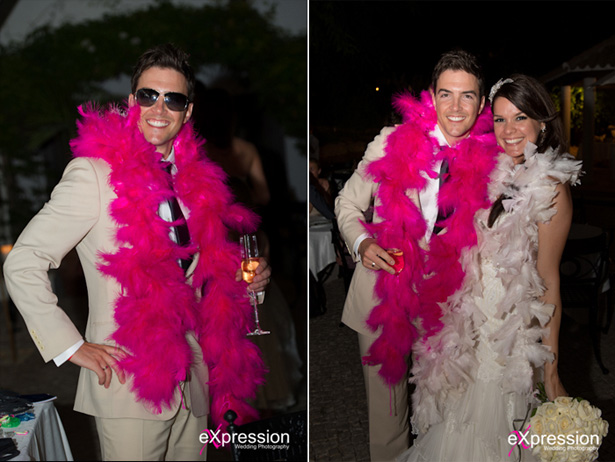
248 269
249 263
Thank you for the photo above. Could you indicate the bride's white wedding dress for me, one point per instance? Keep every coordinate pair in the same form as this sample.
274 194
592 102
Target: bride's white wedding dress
474 379
476 422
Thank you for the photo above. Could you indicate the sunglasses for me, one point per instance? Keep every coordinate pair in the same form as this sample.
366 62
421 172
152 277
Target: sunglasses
147 97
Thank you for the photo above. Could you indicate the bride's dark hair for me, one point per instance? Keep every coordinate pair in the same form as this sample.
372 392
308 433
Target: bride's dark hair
530 97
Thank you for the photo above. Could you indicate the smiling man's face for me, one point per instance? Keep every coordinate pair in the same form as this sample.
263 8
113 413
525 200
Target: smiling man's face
158 123
457 104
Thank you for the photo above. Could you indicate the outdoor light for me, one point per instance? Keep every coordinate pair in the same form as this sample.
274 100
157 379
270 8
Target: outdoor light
5 249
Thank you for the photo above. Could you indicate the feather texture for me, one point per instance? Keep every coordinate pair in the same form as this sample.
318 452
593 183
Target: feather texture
412 299
500 277
158 307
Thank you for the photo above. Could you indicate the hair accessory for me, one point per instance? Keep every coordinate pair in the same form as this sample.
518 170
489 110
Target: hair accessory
497 86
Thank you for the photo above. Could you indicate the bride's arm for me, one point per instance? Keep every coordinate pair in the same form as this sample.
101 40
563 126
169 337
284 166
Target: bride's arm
551 242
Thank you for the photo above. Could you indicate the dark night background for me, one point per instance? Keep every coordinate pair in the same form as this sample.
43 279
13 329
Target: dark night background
356 46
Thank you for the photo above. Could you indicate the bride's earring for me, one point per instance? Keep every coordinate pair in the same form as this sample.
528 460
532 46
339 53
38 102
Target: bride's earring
543 132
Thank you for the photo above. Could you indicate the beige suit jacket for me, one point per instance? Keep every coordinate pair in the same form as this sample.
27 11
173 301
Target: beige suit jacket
353 200
77 215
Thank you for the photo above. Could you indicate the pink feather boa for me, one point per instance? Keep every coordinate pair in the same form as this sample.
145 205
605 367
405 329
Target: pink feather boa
409 302
157 307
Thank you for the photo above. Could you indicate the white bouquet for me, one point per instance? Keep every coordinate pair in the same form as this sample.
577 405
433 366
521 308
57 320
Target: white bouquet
567 429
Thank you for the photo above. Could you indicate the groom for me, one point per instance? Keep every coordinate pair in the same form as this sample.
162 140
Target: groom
403 170
160 339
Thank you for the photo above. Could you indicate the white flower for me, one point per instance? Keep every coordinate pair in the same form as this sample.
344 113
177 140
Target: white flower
604 428
564 424
587 411
564 401
536 424
574 456
551 427
574 418
549 410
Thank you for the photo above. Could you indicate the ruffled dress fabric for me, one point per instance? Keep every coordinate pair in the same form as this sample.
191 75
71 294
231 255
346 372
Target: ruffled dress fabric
475 378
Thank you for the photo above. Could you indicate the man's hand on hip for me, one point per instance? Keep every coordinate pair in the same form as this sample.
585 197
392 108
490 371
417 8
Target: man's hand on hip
101 359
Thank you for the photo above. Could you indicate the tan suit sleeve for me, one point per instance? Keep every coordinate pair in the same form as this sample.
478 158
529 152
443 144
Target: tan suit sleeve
61 224
356 196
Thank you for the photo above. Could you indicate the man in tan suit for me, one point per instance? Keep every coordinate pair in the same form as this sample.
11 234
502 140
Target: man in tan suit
85 212
457 96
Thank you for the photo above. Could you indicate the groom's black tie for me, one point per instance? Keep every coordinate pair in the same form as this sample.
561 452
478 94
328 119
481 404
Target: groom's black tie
442 213
181 230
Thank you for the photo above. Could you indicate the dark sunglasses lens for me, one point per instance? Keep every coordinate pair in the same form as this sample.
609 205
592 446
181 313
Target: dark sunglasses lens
146 97
176 101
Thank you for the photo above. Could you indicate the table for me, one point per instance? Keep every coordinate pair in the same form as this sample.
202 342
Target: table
322 251
46 439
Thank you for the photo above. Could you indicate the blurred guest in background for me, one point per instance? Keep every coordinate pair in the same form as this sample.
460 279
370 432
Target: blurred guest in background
316 171
215 117
321 202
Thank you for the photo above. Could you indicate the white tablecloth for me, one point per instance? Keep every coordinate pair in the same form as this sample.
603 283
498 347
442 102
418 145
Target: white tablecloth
322 252
46 439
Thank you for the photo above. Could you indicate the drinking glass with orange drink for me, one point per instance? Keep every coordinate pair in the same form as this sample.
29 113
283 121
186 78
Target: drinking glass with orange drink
249 263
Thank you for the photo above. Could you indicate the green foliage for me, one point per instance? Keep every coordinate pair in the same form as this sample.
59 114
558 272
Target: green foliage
46 77
542 393
576 105
604 111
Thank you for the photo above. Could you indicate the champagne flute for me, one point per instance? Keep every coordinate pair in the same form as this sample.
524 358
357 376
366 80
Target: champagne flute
249 263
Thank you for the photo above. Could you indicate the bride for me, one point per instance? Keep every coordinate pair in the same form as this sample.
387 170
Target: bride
500 335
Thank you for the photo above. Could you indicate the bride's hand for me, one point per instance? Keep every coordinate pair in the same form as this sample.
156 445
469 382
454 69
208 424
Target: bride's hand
554 387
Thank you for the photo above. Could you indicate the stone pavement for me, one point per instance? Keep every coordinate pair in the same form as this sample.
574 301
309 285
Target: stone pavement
337 404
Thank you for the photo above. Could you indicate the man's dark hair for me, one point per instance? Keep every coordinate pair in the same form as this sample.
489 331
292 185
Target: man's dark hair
166 56
459 60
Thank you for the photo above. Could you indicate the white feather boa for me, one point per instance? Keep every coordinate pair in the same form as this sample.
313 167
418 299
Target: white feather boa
446 362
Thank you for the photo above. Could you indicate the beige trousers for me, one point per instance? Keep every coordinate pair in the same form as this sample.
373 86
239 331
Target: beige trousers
388 411
138 439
